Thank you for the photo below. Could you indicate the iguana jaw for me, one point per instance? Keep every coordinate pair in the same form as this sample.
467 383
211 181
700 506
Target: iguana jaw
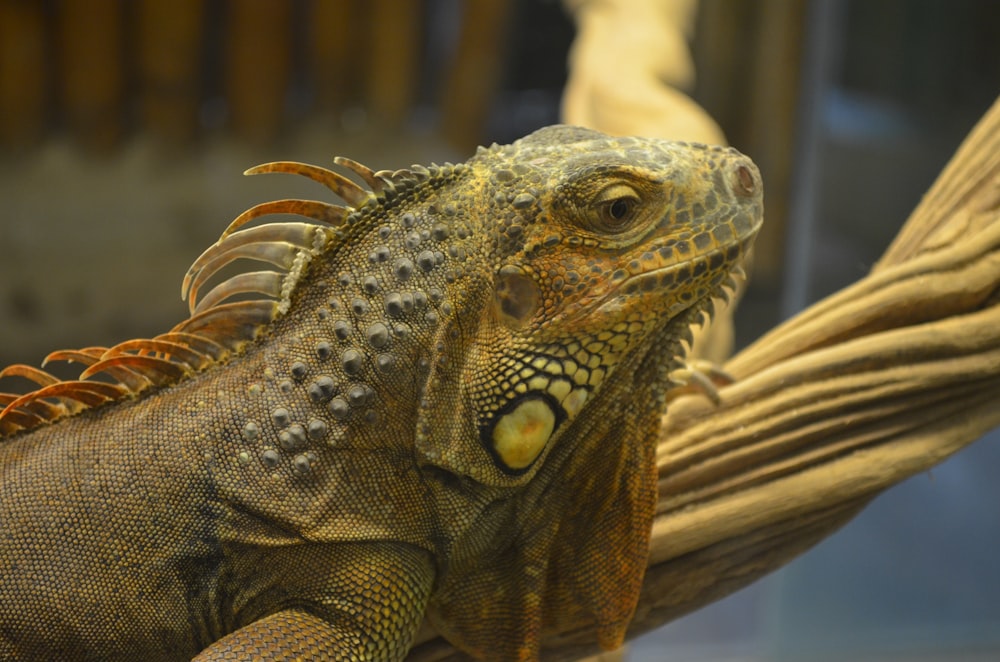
642 289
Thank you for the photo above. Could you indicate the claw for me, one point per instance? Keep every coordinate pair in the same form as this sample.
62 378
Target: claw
700 376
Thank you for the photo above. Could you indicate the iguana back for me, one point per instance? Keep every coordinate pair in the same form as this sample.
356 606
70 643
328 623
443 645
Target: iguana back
441 400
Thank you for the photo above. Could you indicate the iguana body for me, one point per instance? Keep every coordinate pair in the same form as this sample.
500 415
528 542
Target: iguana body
446 406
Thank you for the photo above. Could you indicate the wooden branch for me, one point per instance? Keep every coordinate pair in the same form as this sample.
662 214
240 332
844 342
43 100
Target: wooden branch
880 381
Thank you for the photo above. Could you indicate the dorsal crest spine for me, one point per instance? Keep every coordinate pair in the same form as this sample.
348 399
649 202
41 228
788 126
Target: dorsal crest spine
218 326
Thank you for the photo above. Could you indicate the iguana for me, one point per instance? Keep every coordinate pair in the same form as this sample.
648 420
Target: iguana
441 402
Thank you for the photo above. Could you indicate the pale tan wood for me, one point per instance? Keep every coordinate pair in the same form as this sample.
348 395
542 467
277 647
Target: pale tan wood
875 384
630 68
749 56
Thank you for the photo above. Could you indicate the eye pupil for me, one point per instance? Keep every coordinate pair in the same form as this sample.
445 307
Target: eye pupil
615 208
620 209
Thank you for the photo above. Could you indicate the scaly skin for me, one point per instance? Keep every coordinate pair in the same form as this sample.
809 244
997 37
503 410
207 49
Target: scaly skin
453 413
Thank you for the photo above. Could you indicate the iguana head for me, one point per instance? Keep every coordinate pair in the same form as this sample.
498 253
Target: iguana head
591 250
594 256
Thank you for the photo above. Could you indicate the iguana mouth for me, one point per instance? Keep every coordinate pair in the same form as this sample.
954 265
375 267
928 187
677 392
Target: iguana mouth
681 280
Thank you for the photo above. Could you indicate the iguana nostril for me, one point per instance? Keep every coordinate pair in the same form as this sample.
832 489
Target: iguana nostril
745 183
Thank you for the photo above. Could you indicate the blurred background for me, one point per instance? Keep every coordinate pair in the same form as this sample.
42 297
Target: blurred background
124 127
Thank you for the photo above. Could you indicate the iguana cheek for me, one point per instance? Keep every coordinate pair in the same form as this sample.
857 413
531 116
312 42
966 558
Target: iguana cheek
521 430
520 435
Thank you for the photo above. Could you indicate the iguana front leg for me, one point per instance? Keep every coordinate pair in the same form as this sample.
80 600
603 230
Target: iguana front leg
368 606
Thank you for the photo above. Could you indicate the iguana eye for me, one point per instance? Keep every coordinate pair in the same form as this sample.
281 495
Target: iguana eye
617 207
